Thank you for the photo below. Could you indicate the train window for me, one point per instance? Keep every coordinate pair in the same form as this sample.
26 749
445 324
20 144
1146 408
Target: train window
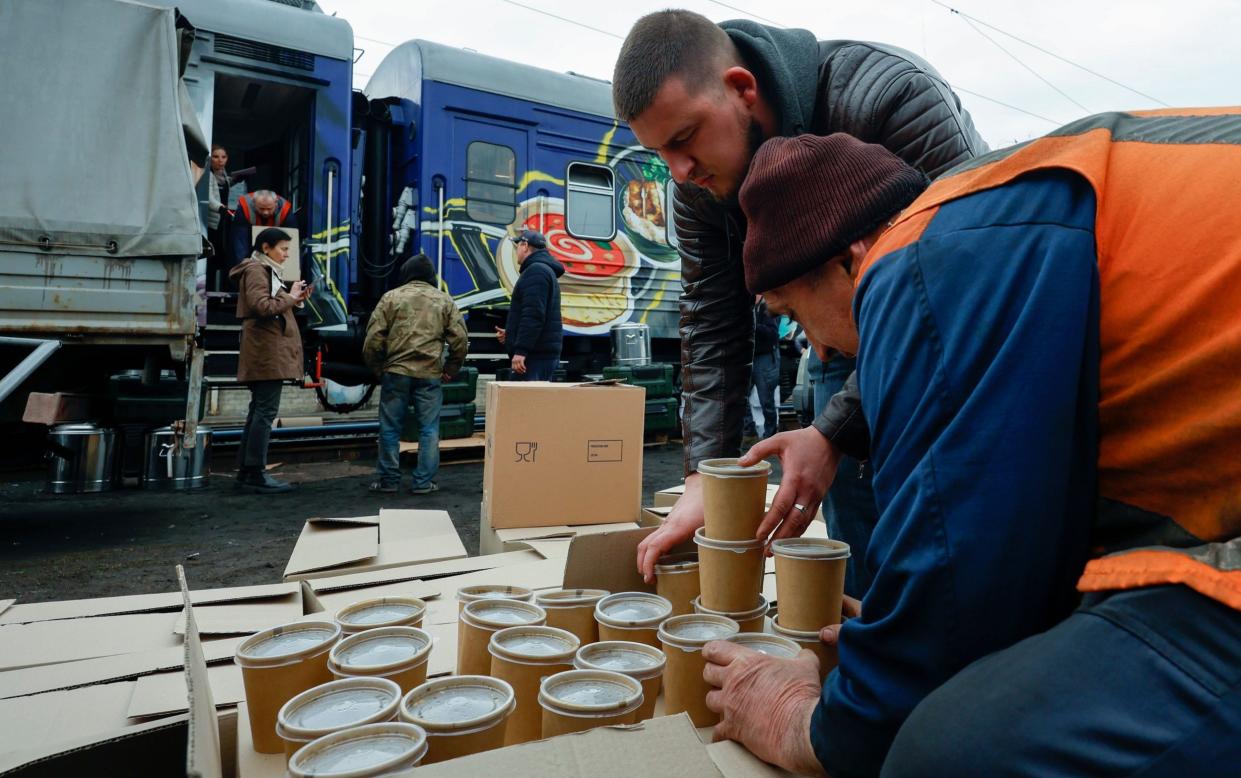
590 201
490 183
669 221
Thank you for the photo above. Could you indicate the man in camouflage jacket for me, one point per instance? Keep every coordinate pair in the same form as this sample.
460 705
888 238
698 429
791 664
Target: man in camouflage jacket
404 345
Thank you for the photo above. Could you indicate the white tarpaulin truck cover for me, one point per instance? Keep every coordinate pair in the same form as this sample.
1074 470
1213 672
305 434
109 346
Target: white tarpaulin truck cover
96 135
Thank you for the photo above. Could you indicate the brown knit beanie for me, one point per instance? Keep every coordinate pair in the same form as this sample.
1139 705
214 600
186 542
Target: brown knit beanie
807 198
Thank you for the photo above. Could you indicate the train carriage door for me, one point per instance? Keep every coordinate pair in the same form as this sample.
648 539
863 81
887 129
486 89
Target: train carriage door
485 193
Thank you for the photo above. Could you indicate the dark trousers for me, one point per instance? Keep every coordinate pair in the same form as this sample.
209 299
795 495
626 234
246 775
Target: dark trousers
849 506
1145 682
540 369
264 405
765 377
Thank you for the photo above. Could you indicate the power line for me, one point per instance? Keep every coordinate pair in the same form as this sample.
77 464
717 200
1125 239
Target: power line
1010 106
374 40
565 19
1052 54
1018 60
747 13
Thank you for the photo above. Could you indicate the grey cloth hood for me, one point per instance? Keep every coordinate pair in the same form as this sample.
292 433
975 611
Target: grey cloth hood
786 63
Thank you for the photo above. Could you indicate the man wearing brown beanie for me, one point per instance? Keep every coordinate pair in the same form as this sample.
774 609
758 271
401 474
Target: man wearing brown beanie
705 96
1047 345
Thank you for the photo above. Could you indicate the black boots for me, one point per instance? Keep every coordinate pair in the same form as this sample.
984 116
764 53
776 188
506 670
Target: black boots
257 481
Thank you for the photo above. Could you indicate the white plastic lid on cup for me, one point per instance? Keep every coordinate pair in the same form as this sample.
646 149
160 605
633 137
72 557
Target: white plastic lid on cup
632 610
810 548
636 660
534 645
380 612
497 614
796 635
741 616
763 643
590 693
692 631
336 705
367 751
730 467
468 594
458 704
672 564
287 644
735 546
380 651
569 598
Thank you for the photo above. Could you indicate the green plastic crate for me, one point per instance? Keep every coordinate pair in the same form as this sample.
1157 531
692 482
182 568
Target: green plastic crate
661 415
463 388
656 379
456 421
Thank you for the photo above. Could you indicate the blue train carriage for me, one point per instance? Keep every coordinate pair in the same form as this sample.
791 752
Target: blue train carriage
480 148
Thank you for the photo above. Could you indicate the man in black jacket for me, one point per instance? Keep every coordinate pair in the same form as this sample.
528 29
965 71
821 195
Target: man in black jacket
705 97
534 331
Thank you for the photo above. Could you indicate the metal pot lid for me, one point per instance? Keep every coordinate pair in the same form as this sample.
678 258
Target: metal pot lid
78 428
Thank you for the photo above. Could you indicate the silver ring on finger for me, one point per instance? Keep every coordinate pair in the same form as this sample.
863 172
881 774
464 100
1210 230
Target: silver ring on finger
800 507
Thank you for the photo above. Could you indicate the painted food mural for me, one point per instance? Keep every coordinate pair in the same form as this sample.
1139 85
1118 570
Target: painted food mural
634 277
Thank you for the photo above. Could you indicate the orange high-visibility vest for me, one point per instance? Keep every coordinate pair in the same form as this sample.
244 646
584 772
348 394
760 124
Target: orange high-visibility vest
1168 242
283 208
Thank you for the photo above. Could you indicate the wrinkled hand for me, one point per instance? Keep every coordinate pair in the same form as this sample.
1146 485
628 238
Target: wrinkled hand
808 462
685 517
519 364
500 335
765 703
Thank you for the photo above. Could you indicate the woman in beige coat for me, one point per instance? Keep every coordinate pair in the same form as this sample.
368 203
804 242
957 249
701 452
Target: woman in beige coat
271 351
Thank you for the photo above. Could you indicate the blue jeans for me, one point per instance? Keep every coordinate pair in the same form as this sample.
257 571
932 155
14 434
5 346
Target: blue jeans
849 506
1145 682
541 369
396 394
766 379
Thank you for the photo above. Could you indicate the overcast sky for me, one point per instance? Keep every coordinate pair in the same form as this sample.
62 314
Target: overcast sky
1182 52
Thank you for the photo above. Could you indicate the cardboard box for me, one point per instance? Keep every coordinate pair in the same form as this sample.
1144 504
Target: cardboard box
498 541
395 538
562 454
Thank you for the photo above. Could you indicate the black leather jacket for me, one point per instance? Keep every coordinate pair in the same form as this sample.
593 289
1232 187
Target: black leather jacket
877 93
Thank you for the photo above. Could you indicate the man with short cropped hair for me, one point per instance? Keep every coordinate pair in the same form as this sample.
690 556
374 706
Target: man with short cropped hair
705 96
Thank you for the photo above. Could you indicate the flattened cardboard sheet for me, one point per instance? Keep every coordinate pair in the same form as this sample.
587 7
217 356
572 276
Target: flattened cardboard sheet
164 694
661 746
66 640
250 763
416 536
121 667
25 613
443 659
325 544
734 761
42 722
321 584
498 541
334 601
202 750
244 618
159 746
5 605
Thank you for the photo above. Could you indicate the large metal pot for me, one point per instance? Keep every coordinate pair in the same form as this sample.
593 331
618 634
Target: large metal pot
631 344
168 465
81 457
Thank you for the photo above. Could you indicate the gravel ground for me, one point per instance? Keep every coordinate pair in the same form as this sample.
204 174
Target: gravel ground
128 541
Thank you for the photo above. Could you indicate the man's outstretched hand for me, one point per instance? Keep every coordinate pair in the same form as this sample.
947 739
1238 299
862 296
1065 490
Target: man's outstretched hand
808 463
684 518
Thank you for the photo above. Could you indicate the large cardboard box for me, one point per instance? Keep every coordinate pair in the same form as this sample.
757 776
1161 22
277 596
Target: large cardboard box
562 454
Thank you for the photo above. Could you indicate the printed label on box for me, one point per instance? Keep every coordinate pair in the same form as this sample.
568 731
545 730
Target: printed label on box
605 450
525 450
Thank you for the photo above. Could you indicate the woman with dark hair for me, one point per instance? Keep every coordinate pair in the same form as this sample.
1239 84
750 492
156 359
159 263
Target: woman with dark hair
271 350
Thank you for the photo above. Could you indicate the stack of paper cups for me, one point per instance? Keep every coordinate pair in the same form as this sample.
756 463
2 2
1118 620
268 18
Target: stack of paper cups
730 556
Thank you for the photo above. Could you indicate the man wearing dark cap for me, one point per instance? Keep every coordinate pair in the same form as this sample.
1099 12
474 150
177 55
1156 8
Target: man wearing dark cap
704 96
405 346
1056 436
534 332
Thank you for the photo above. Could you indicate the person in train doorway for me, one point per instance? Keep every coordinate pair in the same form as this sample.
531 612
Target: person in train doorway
534 331
263 208
705 96
227 188
271 351
405 345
